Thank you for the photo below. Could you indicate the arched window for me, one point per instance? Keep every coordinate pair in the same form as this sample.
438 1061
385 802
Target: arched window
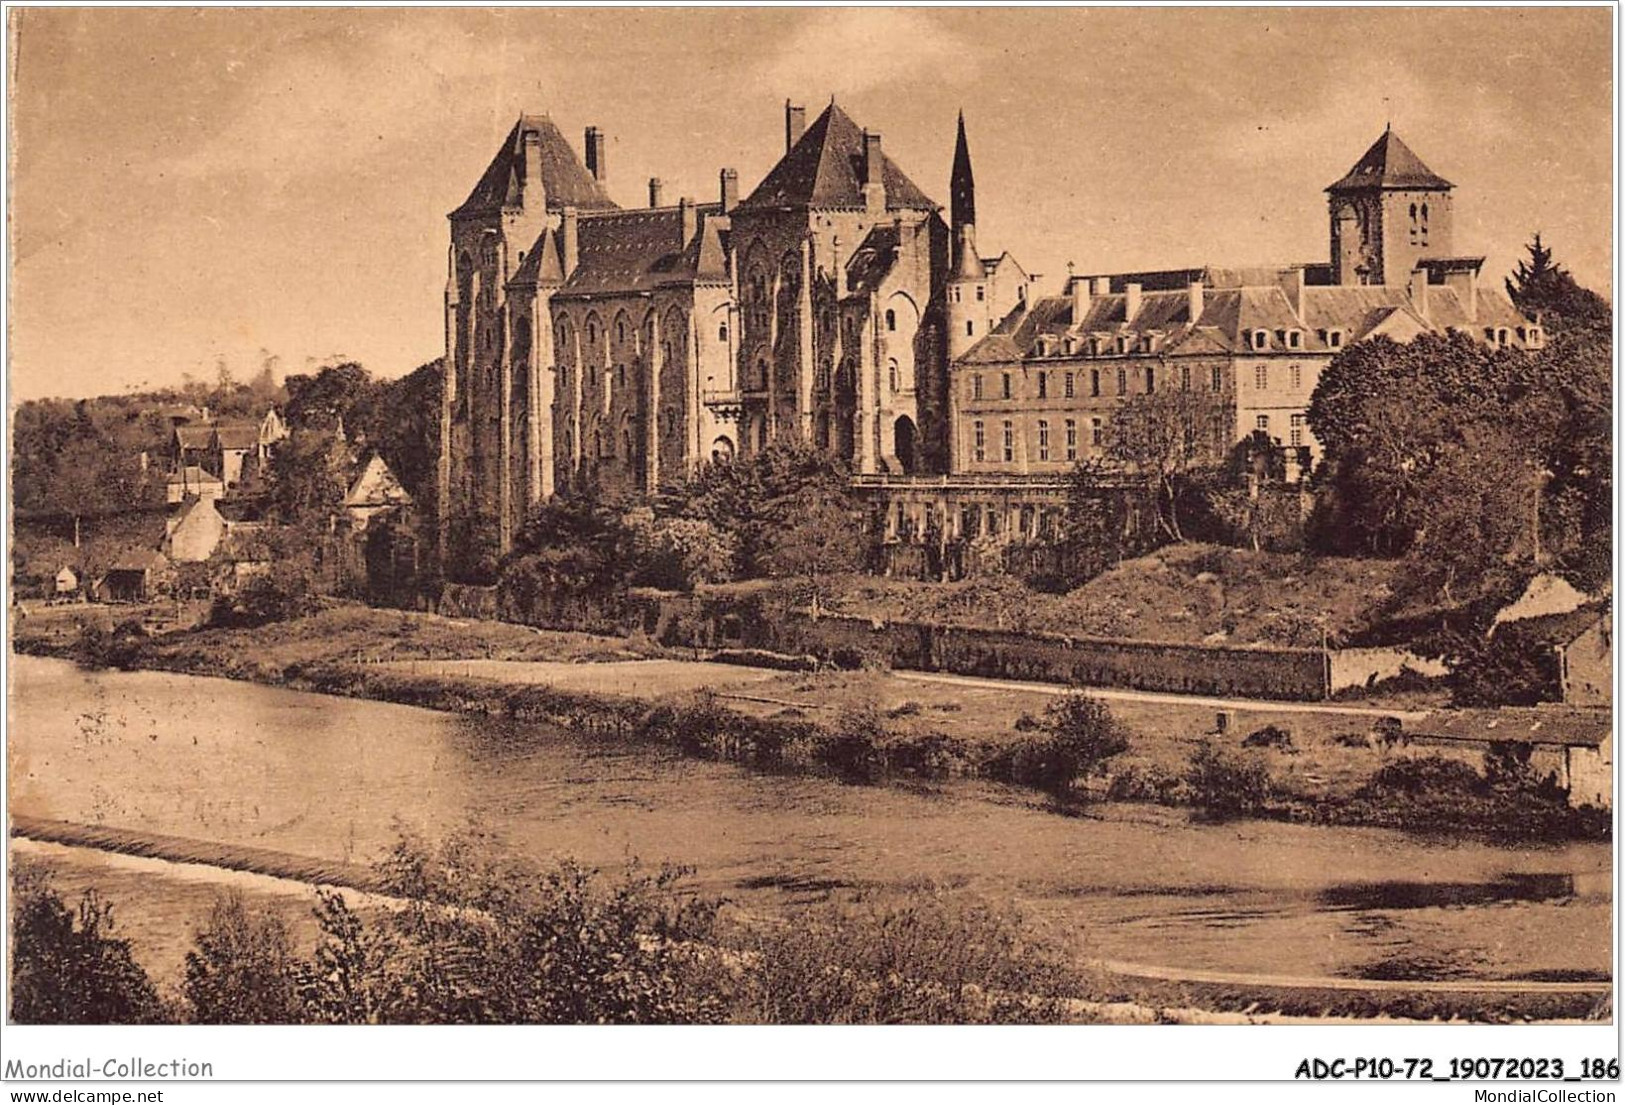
592 332
891 319
891 371
722 332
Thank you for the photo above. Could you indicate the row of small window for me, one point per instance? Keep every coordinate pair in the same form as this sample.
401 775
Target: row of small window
981 293
1295 428
1500 335
1069 382
1008 440
1049 345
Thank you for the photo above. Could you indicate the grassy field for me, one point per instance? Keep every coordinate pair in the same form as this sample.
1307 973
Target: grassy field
1190 592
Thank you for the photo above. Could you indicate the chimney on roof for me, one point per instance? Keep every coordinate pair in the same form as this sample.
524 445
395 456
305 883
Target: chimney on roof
1419 292
1080 299
795 124
874 178
1291 281
728 179
690 217
1195 291
569 241
595 154
534 193
656 188
1464 281
1131 302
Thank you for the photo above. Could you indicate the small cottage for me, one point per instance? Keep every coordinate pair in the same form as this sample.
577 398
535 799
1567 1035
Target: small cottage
67 582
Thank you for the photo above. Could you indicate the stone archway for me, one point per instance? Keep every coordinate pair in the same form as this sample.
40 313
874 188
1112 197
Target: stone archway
903 443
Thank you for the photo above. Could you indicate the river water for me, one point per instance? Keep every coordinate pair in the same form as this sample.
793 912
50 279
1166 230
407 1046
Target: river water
339 779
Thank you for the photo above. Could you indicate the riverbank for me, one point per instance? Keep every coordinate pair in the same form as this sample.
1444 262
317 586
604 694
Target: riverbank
1323 767
169 878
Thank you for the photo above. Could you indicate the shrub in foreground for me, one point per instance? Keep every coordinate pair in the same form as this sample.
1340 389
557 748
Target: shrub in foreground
67 967
1224 784
1076 738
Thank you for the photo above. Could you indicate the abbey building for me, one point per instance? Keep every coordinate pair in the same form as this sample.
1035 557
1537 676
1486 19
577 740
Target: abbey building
832 303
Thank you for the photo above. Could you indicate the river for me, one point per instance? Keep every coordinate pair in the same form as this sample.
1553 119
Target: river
338 779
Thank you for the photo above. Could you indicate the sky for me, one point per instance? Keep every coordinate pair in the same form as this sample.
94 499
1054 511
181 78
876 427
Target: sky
192 188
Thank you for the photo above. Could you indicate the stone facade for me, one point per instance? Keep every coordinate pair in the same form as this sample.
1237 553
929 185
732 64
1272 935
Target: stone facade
586 343
590 344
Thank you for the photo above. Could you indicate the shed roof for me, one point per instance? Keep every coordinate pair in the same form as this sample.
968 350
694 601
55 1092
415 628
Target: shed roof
1559 725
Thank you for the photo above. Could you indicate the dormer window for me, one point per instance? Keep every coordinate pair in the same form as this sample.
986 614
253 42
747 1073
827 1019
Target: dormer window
1294 339
1148 343
1334 339
1503 336
1094 347
1122 343
1071 346
1261 339
1536 338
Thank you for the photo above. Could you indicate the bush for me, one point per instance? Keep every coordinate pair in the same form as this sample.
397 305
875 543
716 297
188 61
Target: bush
67 967
932 959
241 969
1270 736
1224 784
1417 775
852 747
263 599
1076 737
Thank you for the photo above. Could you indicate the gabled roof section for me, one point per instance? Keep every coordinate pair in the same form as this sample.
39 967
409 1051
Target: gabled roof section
566 179
825 169
194 436
634 251
236 435
1389 163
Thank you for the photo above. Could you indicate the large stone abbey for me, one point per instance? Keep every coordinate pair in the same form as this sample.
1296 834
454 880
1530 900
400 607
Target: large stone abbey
833 303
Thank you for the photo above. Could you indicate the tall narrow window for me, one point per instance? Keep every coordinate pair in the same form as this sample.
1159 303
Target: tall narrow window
1295 430
1006 385
1094 381
1009 442
1150 379
1071 439
1071 384
1043 385
1218 378
1184 377
891 320
976 386
1043 439
1263 423
1261 376
722 332
1295 373
970 328
1122 381
980 431
1095 432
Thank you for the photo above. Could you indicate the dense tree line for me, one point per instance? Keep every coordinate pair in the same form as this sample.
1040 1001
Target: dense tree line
1478 465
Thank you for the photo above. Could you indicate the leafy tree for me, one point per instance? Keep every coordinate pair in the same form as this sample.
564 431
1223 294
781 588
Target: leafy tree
1077 736
1164 439
814 532
67 966
745 498
241 969
337 392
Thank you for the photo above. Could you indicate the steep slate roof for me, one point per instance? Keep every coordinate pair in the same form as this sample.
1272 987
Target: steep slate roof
634 251
1389 163
825 169
566 179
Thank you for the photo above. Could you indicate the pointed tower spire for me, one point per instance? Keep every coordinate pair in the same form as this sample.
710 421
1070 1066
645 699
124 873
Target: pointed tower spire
962 186
967 265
